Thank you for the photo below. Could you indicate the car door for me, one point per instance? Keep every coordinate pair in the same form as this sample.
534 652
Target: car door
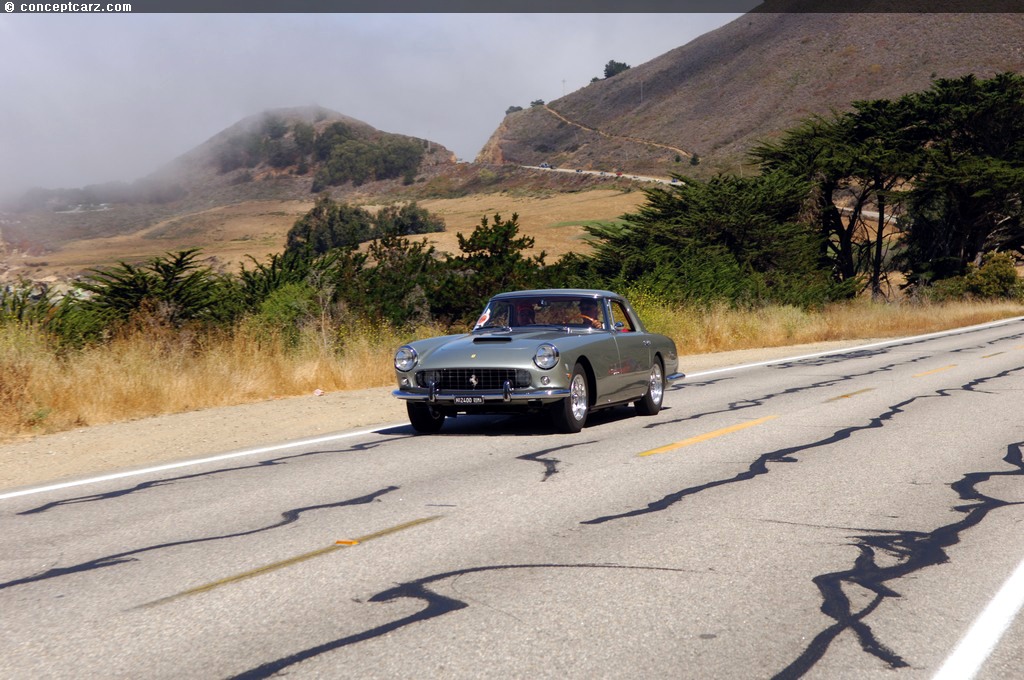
634 353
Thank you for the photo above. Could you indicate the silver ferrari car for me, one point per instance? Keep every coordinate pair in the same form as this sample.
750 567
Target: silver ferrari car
567 352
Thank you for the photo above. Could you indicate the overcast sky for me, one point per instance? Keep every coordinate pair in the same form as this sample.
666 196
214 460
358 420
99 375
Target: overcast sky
87 99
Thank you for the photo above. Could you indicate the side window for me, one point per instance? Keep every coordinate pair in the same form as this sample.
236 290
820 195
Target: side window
619 315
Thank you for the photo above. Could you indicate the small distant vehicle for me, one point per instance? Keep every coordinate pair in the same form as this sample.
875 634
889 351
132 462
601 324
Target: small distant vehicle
544 165
560 352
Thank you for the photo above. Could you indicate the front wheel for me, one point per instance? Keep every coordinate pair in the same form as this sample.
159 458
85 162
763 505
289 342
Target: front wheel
570 414
423 418
650 403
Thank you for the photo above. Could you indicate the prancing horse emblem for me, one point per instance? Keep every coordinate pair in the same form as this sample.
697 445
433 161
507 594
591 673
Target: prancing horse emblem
472 380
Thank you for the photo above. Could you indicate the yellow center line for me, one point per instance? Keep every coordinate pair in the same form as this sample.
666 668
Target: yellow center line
709 435
989 356
851 394
290 561
937 370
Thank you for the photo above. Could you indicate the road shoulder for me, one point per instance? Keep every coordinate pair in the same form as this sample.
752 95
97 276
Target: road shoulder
164 439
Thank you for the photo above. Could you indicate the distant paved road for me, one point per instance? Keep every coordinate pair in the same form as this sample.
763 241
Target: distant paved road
841 516
605 173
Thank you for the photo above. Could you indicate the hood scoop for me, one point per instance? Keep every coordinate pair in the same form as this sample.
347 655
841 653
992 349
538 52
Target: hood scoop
491 339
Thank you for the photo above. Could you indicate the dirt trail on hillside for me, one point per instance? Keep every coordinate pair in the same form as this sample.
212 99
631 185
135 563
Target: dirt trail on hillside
636 140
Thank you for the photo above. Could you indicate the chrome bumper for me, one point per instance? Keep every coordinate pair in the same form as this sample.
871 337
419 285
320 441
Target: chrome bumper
480 398
507 394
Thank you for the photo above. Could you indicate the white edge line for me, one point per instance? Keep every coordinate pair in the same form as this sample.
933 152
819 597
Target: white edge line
196 461
847 350
984 634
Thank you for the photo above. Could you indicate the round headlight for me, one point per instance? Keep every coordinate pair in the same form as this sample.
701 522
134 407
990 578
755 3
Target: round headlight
546 356
405 358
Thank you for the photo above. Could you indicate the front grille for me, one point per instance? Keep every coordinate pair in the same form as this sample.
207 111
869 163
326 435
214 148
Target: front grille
462 379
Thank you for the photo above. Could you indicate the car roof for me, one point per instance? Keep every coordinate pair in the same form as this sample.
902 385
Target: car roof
550 292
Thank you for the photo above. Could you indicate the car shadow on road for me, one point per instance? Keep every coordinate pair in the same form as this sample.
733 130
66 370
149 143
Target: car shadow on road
517 425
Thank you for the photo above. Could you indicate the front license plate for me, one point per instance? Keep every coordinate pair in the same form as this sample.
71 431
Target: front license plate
469 400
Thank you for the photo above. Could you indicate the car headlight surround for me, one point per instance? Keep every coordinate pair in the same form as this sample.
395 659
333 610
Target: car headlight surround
405 358
546 356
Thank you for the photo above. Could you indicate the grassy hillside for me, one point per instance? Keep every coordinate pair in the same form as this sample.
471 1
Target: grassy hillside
719 94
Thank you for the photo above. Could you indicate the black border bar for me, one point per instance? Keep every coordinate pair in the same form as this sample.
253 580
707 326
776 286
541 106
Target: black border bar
535 6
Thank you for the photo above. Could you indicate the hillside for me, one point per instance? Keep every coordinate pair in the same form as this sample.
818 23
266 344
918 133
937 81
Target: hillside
746 81
277 155
292 144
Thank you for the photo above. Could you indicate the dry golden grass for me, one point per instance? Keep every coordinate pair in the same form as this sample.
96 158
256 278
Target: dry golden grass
555 221
159 372
721 328
145 374
230 234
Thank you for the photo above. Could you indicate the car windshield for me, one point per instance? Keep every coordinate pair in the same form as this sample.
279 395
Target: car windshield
563 311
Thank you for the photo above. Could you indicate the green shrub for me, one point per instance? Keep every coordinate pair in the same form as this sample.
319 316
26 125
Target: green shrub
284 312
171 291
995 279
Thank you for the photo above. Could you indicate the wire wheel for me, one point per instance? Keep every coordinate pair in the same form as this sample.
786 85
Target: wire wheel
570 414
650 403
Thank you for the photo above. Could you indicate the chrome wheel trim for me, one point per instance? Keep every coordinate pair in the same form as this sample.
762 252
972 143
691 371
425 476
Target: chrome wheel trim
657 384
578 397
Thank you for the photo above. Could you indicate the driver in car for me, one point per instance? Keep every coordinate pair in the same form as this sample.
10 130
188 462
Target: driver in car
590 313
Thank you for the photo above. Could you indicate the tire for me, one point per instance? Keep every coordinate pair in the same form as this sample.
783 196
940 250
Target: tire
650 403
423 418
570 414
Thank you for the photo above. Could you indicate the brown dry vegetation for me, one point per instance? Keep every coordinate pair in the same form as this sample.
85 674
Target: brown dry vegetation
227 234
720 329
158 371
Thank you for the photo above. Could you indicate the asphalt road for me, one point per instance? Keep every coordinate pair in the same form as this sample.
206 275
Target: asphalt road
840 516
604 173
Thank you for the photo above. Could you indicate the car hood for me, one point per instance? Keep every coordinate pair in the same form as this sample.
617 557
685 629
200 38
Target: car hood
495 349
